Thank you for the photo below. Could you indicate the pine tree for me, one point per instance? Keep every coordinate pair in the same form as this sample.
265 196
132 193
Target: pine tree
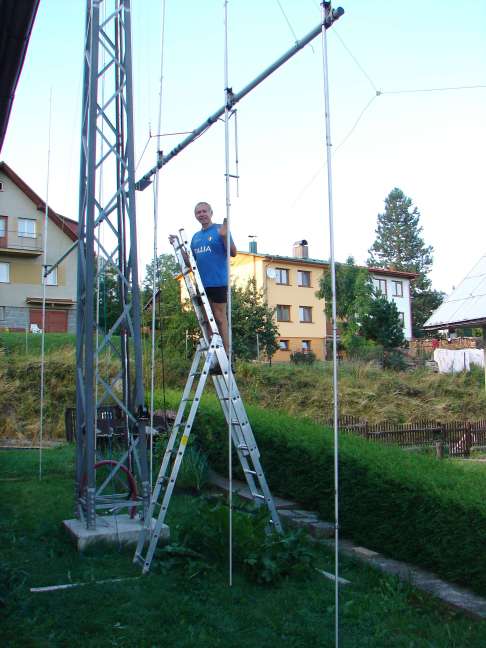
399 244
382 324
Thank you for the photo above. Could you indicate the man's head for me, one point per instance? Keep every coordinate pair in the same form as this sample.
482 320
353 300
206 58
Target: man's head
204 214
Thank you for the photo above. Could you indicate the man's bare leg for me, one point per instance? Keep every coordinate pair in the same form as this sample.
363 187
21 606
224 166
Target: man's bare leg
219 312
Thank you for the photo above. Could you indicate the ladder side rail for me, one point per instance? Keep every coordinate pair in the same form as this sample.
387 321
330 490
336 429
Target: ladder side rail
147 528
242 421
266 495
185 246
176 466
222 393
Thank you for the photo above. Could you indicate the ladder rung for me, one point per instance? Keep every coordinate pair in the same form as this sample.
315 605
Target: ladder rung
258 496
250 472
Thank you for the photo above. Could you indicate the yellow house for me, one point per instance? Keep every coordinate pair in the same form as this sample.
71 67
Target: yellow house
289 285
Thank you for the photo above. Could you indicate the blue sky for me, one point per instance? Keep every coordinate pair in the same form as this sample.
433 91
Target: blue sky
430 144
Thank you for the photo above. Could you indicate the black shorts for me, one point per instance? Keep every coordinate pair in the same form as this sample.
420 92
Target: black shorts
218 294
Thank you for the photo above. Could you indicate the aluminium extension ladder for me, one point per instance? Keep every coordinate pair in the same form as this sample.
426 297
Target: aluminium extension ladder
210 351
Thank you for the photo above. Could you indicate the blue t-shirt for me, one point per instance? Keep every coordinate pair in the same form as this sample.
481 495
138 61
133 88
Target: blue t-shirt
210 254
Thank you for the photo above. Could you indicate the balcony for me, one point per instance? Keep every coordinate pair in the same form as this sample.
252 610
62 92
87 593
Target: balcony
13 244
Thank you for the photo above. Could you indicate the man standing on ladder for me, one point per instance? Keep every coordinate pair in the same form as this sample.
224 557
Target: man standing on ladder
209 249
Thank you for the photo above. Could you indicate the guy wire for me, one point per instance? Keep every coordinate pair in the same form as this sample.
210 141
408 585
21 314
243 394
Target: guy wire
44 278
155 254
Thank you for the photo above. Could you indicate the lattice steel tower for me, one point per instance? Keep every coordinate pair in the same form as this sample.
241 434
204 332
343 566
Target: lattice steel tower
108 243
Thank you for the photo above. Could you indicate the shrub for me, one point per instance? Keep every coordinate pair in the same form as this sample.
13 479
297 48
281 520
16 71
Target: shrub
299 357
394 360
409 506
358 348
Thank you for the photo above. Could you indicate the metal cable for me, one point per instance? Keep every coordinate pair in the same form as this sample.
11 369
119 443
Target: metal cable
155 254
336 148
355 60
325 9
44 269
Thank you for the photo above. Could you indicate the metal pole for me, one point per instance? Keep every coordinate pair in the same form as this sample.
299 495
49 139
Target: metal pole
326 11
233 99
89 405
227 114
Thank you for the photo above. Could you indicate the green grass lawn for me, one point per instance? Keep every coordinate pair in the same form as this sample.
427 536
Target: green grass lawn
178 604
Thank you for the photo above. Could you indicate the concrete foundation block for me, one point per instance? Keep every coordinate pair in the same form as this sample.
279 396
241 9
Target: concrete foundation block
109 529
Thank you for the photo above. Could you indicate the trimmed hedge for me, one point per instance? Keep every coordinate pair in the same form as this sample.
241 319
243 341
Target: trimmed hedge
410 507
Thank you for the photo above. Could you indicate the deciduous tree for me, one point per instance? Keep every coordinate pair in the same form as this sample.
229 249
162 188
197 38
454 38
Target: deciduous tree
251 317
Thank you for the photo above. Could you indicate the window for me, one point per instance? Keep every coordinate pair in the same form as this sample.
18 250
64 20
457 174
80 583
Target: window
305 313
2 313
51 279
397 288
3 227
381 285
401 318
283 345
306 346
27 227
303 278
283 313
282 276
4 272
1 186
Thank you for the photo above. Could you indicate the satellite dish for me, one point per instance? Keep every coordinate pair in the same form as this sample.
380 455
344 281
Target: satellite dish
271 274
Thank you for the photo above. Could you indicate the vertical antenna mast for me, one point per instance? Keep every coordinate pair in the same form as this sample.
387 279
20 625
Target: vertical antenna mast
108 116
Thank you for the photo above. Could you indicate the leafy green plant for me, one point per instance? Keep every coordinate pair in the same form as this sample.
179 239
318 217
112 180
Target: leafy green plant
279 556
265 557
194 469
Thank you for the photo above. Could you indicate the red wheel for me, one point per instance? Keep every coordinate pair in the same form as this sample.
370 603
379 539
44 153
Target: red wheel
123 479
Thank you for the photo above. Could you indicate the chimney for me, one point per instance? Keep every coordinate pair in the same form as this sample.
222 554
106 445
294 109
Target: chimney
253 244
301 249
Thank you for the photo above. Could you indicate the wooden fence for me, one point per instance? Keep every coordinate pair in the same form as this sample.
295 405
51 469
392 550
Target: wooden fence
458 437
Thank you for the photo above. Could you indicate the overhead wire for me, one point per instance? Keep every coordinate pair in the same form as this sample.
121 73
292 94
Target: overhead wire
155 251
44 280
340 145
377 93
289 24
360 67
443 89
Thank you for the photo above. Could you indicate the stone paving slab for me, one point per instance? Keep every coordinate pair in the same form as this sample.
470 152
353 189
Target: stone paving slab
453 595
241 489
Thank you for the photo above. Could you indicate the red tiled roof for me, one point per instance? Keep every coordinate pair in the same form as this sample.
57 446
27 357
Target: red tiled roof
67 225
